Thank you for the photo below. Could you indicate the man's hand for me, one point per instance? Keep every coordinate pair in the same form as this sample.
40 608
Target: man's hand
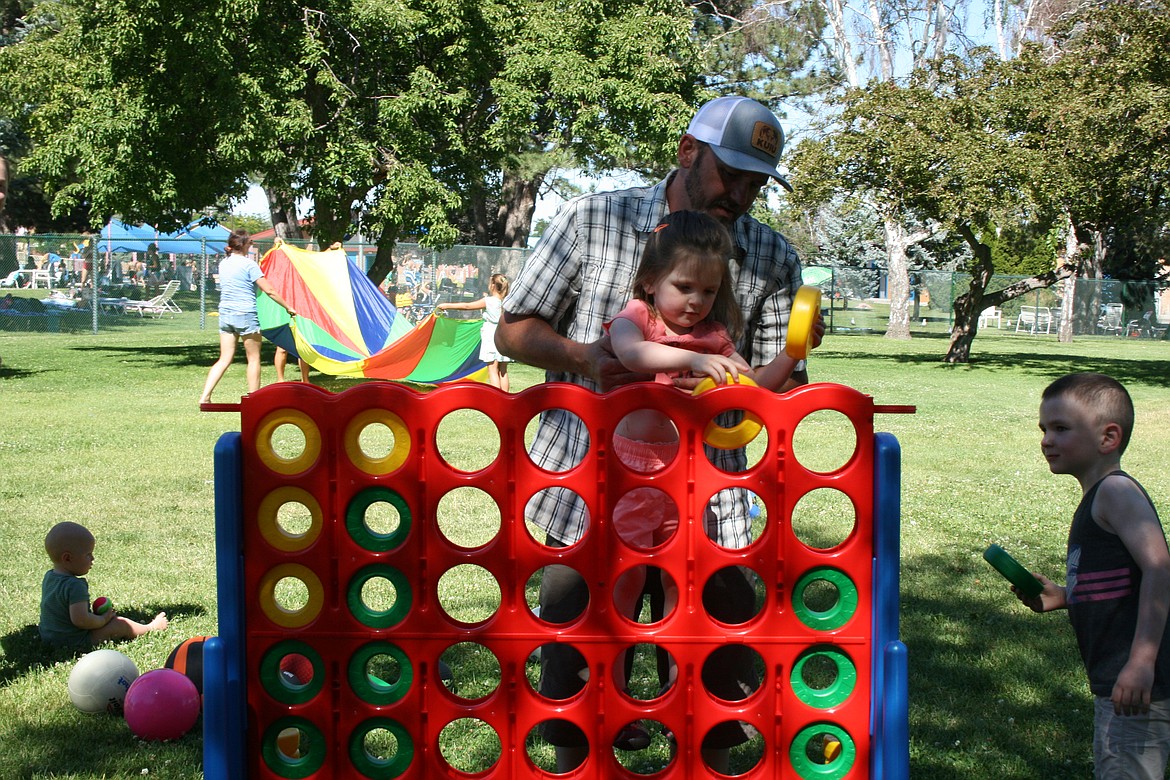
818 332
608 370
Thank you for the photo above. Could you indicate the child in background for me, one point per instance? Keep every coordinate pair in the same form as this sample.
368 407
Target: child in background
66 619
1117 589
493 305
280 362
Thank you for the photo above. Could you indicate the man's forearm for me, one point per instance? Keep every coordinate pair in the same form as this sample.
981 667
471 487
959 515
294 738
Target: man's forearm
533 341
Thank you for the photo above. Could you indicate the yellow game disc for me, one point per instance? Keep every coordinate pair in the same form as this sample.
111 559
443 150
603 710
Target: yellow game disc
805 308
737 435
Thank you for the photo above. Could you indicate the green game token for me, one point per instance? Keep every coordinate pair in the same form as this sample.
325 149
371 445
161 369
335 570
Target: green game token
1010 568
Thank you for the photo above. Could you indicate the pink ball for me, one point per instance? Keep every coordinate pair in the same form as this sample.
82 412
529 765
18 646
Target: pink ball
101 605
161 705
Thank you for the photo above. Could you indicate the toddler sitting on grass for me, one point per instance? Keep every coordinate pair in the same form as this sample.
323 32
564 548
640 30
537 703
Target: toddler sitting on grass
66 618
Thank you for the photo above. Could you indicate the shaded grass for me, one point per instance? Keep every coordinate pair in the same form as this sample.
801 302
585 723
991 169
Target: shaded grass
104 430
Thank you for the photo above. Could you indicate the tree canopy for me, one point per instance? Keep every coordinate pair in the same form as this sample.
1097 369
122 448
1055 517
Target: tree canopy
393 117
1073 134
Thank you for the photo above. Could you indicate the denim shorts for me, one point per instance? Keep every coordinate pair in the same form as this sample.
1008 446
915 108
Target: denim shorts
1131 747
240 323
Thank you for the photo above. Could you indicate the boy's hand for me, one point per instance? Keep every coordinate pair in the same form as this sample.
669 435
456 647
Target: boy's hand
1131 692
1052 597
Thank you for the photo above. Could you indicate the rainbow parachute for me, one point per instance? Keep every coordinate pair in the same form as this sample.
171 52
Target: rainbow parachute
345 326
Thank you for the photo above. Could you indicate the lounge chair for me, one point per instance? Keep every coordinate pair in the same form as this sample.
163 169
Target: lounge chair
158 305
1034 319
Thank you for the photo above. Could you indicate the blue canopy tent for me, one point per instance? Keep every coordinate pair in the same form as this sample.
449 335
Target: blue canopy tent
119 237
192 239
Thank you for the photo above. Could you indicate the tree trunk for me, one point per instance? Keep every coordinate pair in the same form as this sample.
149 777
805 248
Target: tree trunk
4 227
970 304
517 204
383 265
282 208
1068 308
898 281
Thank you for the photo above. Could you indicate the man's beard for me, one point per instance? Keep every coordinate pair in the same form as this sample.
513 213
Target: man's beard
699 202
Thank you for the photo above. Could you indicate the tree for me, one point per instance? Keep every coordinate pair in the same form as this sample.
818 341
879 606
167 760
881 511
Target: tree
126 115
1092 107
1073 141
392 117
878 42
928 153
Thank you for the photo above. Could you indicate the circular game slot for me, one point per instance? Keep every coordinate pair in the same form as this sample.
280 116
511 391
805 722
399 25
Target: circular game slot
470 745
381 748
378 519
380 673
539 750
547 500
825 599
291 595
468 594
822 751
289 519
292 672
377 441
824 441
379 596
293 747
824 518
467 440
474 670
288 442
468 517
644 747
730 437
823 677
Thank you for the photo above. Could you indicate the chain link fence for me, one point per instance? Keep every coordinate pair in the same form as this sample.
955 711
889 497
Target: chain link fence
51 281
855 302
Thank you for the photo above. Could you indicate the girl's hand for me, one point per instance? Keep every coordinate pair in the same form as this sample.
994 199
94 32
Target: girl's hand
718 367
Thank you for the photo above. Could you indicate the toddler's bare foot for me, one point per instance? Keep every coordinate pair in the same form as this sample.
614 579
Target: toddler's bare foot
159 623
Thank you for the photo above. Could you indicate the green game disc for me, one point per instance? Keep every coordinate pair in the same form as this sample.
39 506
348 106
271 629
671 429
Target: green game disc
1010 568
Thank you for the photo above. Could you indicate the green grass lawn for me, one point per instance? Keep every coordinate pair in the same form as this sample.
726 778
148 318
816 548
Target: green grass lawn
105 430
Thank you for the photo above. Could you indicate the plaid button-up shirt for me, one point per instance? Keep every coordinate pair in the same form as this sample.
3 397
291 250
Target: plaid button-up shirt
579 277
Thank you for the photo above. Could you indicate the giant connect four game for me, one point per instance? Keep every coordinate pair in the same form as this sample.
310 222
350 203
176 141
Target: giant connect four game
373 624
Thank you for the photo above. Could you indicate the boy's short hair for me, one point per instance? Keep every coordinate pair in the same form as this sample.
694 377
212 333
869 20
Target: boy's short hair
63 536
1102 395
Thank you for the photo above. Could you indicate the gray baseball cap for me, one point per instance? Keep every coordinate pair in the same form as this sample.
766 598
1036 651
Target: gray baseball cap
744 135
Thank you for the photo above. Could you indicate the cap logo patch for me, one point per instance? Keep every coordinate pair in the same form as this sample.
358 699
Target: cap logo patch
766 139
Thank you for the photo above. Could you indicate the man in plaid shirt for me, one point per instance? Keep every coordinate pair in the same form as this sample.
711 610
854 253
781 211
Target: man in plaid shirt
578 278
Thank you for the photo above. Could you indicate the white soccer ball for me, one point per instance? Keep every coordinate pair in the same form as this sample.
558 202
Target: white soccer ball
99 681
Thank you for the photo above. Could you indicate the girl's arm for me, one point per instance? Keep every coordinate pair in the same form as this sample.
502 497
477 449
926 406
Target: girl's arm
778 375
480 304
638 354
270 290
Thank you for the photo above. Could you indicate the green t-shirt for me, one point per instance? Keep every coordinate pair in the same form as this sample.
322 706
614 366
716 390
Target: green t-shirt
58 591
